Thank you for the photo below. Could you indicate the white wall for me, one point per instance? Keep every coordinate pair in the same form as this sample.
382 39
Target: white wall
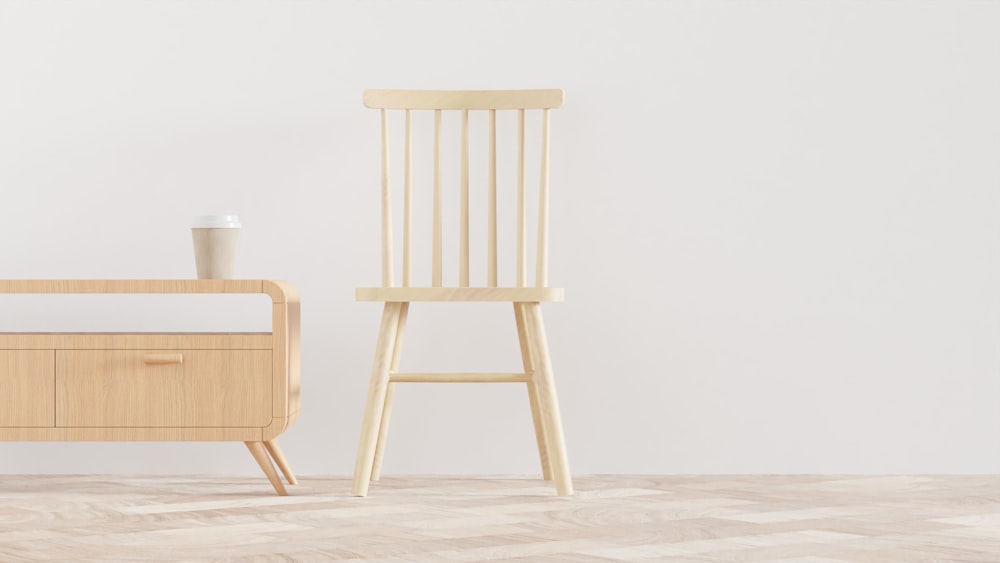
777 222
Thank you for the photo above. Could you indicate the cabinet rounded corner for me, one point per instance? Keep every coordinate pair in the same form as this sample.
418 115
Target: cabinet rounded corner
276 427
280 291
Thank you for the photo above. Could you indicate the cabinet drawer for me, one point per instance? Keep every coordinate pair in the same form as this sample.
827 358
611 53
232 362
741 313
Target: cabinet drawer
163 388
26 385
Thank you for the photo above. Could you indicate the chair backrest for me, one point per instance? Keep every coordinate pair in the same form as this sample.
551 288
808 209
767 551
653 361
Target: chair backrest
465 101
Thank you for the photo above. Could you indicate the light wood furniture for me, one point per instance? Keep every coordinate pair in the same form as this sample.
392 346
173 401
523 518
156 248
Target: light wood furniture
155 386
525 298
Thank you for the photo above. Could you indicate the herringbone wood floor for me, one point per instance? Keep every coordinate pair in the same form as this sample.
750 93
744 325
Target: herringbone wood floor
611 518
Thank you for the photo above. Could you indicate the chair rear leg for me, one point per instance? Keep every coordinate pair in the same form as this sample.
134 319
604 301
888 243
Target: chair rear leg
383 427
529 367
377 389
548 402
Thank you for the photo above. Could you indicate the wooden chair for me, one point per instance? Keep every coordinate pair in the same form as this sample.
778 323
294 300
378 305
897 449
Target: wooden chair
525 299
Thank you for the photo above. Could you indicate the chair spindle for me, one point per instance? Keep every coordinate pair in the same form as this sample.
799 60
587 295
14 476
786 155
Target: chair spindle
387 277
408 206
436 264
542 252
522 263
463 269
491 273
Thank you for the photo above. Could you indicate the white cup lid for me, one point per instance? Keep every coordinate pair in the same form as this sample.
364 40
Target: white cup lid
216 222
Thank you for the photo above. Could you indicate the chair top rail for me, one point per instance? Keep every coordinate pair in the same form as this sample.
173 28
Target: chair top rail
463 99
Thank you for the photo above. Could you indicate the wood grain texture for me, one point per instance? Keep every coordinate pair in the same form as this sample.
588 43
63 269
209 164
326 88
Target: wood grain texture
463 99
511 294
278 290
285 323
26 387
679 518
118 388
135 341
138 434
131 286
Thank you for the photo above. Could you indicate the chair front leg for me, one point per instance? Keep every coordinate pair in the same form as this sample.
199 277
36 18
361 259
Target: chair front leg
528 360
390 393
547 400
375 403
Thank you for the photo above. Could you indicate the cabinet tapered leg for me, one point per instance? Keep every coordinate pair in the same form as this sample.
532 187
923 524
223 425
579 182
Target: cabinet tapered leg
529 366
377 388
390 393
279 458
547 401
259 453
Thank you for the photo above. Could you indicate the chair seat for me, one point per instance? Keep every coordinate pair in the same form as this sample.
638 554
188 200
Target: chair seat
512 294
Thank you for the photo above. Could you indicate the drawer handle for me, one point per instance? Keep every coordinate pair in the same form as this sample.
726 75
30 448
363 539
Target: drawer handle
163 359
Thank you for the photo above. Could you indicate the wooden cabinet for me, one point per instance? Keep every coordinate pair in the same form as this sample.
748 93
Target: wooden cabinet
155 386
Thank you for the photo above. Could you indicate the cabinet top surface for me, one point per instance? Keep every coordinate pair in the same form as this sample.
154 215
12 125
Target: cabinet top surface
138 341
280 291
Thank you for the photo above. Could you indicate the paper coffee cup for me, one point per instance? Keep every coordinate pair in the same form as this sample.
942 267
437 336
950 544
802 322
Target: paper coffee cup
215 239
